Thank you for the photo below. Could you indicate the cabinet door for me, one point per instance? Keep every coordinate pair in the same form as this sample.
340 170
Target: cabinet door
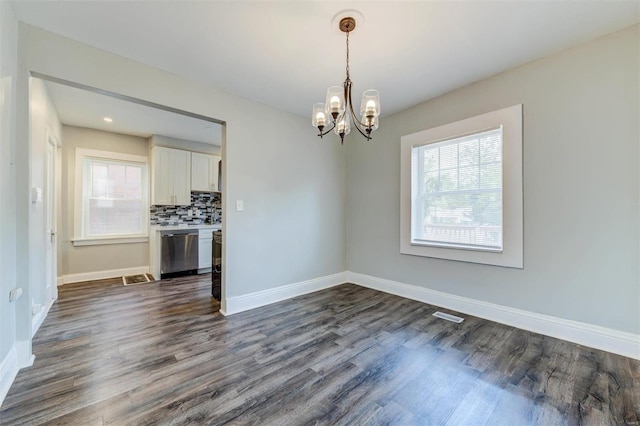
204 253
214 173
161 183
201 172
181 177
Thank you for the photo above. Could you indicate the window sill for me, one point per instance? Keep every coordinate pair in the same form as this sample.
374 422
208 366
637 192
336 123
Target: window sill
78 242
419 243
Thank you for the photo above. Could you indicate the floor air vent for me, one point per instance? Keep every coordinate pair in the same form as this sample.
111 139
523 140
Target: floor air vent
137 279
448 317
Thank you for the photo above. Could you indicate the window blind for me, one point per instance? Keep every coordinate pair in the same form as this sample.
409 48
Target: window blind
458 201
114 198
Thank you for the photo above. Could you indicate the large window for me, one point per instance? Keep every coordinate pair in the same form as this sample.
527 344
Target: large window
458 196
461 194
111 197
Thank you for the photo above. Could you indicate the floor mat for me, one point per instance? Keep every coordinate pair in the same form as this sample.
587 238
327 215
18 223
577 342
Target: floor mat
137 279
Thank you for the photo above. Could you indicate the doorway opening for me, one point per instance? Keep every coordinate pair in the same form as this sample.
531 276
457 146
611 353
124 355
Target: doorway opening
108 142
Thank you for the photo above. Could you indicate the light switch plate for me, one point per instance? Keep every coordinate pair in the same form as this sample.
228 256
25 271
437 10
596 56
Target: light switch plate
239 205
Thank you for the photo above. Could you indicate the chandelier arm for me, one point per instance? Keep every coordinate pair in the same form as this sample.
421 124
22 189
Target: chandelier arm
358 127
321 134
356 122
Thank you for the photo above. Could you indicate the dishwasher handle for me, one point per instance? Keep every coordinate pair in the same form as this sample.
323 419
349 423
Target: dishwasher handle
179 234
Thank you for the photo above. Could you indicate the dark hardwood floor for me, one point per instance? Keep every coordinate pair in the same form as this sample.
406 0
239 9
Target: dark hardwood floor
161 354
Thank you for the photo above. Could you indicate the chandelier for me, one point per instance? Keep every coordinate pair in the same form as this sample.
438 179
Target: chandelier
338 110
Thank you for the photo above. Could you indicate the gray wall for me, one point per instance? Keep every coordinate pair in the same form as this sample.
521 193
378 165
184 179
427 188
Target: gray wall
581 188
8 59
82 259
292 228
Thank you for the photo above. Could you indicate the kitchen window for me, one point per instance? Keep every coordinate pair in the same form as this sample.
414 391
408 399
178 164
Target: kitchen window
461 190
112 198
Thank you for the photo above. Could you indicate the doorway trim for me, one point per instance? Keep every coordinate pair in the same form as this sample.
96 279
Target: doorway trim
125 97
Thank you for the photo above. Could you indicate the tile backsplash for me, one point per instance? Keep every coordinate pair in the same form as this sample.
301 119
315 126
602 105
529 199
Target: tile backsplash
205 208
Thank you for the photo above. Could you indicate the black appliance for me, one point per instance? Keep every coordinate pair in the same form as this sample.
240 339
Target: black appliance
216 265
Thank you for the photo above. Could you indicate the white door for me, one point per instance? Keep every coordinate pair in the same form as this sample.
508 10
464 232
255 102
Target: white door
51 273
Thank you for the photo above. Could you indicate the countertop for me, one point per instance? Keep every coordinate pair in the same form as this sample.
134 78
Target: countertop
159 228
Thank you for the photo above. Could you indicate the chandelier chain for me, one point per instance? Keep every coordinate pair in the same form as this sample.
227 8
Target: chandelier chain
347 55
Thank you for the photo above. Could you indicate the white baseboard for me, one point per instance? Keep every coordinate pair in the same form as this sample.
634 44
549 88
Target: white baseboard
38 319
60 281
266 297
8 372
606 339
24 354
101 275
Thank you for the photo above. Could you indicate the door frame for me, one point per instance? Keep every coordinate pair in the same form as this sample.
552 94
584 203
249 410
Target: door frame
51 213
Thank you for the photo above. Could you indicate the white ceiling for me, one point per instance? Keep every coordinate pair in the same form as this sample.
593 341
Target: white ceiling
78 107
286 54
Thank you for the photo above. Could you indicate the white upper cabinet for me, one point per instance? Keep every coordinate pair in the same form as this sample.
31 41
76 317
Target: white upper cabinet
182 177
204 172
171 177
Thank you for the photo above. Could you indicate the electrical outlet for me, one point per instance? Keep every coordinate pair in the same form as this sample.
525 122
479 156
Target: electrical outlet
14 294
239 205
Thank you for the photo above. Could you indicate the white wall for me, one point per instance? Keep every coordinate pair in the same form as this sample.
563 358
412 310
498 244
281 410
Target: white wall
8 67
581 188
96 258
292 184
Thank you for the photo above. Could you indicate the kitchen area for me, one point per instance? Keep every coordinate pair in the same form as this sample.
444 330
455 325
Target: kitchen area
139 189
185 233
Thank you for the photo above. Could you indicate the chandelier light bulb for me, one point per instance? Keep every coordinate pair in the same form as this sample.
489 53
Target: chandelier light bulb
319 117
335 104
343 127
371 107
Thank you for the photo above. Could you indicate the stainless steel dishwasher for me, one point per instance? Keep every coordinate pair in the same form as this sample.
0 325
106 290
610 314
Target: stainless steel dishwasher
179 251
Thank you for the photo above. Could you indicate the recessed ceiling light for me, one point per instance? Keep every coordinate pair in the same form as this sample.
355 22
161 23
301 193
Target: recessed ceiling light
108 119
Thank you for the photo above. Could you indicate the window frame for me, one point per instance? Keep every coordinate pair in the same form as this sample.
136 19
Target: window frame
511 255
80 239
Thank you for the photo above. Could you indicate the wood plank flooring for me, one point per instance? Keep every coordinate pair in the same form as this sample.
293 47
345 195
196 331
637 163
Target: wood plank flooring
160 353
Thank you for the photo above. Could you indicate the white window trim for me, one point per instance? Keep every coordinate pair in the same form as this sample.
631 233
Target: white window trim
78 239
512 188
